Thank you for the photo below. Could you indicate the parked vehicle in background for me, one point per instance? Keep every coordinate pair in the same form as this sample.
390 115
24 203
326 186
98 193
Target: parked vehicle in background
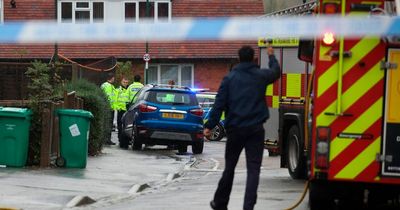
165 115
206 101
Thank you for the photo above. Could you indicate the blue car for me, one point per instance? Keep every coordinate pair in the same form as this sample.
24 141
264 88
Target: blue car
165 115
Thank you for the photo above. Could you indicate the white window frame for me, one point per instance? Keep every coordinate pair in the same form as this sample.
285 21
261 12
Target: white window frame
156 2
75 9
1 11
179 82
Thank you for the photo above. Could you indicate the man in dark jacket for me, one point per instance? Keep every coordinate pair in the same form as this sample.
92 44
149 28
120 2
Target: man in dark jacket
242 97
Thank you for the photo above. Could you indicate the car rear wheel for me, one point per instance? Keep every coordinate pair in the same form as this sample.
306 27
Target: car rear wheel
197 147
124 141
217 133
136 141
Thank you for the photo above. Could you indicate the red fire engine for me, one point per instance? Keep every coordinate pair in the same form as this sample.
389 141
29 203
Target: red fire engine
337 105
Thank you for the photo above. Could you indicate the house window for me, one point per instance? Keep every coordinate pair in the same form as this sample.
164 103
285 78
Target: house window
80 11
130 11
1 11
159 10
181 74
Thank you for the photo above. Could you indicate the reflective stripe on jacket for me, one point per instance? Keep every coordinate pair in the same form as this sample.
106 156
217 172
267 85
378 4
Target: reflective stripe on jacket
133 89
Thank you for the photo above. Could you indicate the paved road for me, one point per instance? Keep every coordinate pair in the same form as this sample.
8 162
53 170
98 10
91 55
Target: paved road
155 178
195 188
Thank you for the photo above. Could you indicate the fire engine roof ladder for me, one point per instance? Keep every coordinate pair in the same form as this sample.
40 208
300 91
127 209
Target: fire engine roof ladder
296 10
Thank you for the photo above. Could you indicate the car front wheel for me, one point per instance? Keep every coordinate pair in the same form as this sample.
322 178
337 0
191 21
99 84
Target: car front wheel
217 133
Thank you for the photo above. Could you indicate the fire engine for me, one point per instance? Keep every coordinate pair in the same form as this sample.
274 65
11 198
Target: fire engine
335 116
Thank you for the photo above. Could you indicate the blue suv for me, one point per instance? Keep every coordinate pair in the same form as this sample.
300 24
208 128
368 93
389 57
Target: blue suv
165 115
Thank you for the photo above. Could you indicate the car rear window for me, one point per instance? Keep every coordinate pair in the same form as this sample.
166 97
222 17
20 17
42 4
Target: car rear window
205 101
172 98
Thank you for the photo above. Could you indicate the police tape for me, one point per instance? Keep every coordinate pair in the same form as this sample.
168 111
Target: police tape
235 28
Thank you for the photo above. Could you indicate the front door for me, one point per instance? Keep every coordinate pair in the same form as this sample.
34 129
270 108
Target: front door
391 143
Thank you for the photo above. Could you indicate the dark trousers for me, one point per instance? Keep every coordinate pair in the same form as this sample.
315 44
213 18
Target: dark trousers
252 140
119 125
112 125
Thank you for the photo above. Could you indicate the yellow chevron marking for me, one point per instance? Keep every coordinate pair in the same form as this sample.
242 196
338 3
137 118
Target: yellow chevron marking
269 90
293 85
275 101
371 2
355 92
370 116
362 48
323 53
362 161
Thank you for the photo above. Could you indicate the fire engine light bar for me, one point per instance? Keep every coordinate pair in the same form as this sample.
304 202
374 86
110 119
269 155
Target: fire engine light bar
235 28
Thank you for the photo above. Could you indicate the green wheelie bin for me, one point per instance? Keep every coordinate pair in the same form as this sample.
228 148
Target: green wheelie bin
14 135
74 136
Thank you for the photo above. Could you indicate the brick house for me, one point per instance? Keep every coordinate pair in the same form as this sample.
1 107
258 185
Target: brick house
190 63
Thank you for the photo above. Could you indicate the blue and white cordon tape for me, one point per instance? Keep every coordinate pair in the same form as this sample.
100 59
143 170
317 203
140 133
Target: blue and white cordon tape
235 28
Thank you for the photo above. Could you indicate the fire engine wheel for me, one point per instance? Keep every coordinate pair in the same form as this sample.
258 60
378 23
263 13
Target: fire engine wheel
296 161
217 133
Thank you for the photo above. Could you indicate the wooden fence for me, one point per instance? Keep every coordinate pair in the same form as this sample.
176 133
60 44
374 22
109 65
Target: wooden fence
50 138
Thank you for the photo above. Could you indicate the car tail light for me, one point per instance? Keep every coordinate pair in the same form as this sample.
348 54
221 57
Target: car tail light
147 108
322 147
197 112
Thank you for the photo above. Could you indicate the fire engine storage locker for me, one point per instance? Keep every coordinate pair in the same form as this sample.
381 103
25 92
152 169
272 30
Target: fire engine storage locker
14 135
74 136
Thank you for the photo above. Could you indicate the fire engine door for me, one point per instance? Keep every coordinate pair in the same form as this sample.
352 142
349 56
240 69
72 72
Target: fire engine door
391 143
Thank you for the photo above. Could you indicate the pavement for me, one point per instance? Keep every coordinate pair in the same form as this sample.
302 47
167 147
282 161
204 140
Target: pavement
111 181
114 172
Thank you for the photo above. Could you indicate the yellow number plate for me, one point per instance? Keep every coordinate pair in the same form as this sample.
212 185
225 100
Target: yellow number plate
172 115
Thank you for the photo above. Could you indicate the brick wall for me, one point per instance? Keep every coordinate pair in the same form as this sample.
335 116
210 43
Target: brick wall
209 74
216 8
30 10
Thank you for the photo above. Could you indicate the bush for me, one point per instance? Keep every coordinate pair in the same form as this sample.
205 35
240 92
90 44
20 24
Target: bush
42 88
96 102
124 69
39 89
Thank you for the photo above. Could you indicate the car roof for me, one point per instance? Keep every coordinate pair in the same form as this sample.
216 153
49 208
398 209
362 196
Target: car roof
206 93
166 87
